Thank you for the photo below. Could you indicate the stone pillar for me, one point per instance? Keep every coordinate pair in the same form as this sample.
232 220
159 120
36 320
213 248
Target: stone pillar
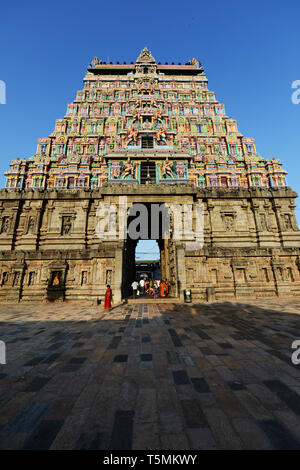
167 260
117 288
17 272
210 294
181 271
8 220
282 285
240 278
163 263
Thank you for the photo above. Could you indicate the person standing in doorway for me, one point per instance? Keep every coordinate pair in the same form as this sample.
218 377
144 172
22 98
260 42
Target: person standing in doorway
108 297
134 286
151 287
147 284
155 290
142 286
162 289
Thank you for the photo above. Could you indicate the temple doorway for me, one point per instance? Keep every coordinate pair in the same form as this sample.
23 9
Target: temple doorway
148 256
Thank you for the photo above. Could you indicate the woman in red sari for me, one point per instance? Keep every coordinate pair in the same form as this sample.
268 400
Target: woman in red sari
108 296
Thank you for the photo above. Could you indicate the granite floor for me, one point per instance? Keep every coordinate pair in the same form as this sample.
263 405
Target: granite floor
161 376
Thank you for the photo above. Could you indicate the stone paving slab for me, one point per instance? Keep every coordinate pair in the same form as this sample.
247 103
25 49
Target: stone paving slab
150 376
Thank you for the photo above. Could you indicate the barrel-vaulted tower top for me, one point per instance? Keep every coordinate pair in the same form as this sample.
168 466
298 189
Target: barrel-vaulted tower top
145 122
145 57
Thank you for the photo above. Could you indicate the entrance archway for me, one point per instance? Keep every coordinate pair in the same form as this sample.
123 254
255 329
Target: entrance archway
167 249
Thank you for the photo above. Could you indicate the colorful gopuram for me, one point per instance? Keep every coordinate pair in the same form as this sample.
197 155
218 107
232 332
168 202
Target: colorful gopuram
167 111
147 133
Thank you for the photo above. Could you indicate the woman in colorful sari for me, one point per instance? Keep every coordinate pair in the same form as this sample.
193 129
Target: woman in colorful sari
162 289
147 284
108 296
151 287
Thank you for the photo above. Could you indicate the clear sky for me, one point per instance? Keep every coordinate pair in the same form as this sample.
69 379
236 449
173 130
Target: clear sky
250 51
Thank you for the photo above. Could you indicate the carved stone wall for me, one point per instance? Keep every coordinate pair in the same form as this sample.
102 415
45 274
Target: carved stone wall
49 249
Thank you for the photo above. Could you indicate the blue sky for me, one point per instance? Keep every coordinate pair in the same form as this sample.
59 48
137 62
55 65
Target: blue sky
147 250
249 49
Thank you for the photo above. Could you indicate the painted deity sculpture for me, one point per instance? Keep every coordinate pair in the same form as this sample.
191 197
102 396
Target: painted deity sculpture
180 169
167 169
131 136
115 170
128 169
161 135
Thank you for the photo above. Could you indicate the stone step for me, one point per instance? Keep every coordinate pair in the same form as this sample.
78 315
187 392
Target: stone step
147 300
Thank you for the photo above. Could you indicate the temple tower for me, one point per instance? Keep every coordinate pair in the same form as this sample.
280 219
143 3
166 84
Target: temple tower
151 134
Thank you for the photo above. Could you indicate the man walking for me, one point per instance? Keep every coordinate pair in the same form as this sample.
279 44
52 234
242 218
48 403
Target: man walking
134 286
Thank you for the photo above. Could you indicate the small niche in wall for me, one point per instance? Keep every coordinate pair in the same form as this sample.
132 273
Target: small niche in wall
31 278
83 278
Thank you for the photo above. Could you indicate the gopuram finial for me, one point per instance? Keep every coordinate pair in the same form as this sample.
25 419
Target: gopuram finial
145 57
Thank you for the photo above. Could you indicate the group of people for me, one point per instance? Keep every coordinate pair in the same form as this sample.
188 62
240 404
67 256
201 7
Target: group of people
150 288
144 287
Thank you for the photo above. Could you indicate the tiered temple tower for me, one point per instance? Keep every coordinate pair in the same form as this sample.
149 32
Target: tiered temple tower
156 134
165 110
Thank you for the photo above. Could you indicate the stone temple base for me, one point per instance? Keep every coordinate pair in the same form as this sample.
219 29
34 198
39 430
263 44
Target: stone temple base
251 244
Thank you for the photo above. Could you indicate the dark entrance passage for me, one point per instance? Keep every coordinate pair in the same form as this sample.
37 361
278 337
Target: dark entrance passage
135 269
155 222
148 172
150 269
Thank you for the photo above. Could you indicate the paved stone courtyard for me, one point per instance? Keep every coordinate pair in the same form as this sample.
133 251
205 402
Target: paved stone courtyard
150 376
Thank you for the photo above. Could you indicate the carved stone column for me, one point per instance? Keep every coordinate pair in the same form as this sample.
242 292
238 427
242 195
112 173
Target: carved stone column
181 275
282 286
240 278
17 276
117 287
